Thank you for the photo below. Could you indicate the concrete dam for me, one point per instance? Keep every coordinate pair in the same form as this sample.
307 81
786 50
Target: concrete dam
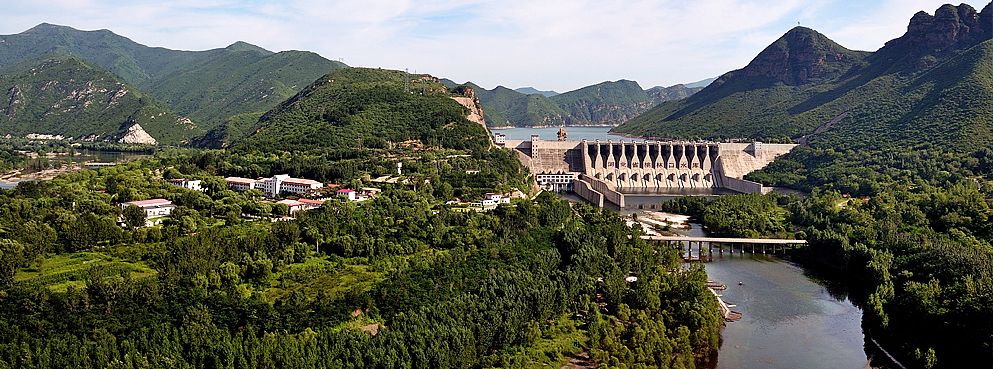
601 171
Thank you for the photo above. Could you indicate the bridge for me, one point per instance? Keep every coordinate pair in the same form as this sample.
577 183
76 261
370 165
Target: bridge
767 241
764 245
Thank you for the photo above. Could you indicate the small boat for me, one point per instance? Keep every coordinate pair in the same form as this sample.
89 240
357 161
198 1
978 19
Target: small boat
739 283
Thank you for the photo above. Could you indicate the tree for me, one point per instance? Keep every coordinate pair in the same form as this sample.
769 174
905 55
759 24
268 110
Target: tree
280 209
11 259
134 217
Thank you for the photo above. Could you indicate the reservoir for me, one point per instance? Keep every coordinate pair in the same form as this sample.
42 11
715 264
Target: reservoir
551 133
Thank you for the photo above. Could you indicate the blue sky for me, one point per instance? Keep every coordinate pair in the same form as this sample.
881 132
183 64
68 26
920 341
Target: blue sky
548 44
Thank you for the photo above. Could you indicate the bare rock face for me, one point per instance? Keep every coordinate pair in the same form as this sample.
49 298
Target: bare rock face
931 39
136 134
471 102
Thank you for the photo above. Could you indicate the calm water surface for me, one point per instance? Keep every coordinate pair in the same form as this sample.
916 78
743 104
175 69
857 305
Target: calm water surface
551 133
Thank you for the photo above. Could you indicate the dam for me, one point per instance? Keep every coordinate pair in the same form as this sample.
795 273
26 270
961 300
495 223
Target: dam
601 171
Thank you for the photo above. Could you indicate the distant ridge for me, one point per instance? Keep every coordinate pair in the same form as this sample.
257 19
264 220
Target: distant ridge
532 90
701 83
603 104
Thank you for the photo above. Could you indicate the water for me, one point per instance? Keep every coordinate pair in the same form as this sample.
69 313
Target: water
80 157
788 319
551 133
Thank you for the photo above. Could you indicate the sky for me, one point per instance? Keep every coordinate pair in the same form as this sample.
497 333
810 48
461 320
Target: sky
558 45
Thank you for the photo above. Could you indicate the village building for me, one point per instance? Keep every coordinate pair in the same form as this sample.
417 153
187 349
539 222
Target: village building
293 205
349 194
192 184
311 204
153 208
275 185
240 184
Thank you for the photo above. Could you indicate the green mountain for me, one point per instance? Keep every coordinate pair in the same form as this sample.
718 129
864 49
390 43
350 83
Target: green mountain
531 90
606 103
74 98
134 62
210 87
362 107
506 107
238 81
929 87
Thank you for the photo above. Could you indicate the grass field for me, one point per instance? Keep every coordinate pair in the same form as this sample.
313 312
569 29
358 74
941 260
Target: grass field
58 272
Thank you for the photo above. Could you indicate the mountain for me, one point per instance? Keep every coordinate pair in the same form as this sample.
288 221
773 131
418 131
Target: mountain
532 91
701 83
66 96
506 107
606 103
210 87
368 108
134 62
931 86
240 80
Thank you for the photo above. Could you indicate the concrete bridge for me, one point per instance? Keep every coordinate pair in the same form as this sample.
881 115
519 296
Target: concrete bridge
754 245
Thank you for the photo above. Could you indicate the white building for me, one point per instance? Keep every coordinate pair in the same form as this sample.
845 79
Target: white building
153 208
499 138
274 185
350 194
299 185
556 182
240 184
193 184
293 205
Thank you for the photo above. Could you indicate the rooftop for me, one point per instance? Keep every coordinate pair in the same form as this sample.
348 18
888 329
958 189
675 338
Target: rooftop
150 202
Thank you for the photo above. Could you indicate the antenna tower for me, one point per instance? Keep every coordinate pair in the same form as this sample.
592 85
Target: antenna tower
406 81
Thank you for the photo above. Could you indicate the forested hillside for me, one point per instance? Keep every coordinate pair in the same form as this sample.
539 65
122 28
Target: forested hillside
929 87
73 98
212 88
238 82
360 107
396 281
133 62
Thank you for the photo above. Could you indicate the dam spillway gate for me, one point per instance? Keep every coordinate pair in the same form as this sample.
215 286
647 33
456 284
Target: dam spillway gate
597 170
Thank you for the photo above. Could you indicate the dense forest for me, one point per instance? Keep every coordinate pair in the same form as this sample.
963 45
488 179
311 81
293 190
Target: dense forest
397 281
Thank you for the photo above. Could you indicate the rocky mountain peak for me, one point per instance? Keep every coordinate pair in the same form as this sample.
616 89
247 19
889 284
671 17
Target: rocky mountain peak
800 55
949 26
930 38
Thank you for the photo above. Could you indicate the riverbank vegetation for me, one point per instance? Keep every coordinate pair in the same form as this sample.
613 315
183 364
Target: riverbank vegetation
908 230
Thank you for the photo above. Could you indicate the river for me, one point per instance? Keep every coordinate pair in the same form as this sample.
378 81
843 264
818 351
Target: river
790 319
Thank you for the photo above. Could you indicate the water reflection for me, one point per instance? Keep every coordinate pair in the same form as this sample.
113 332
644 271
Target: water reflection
788 320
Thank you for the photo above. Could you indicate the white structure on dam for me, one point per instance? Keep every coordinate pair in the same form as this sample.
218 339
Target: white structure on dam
603 169
653 164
